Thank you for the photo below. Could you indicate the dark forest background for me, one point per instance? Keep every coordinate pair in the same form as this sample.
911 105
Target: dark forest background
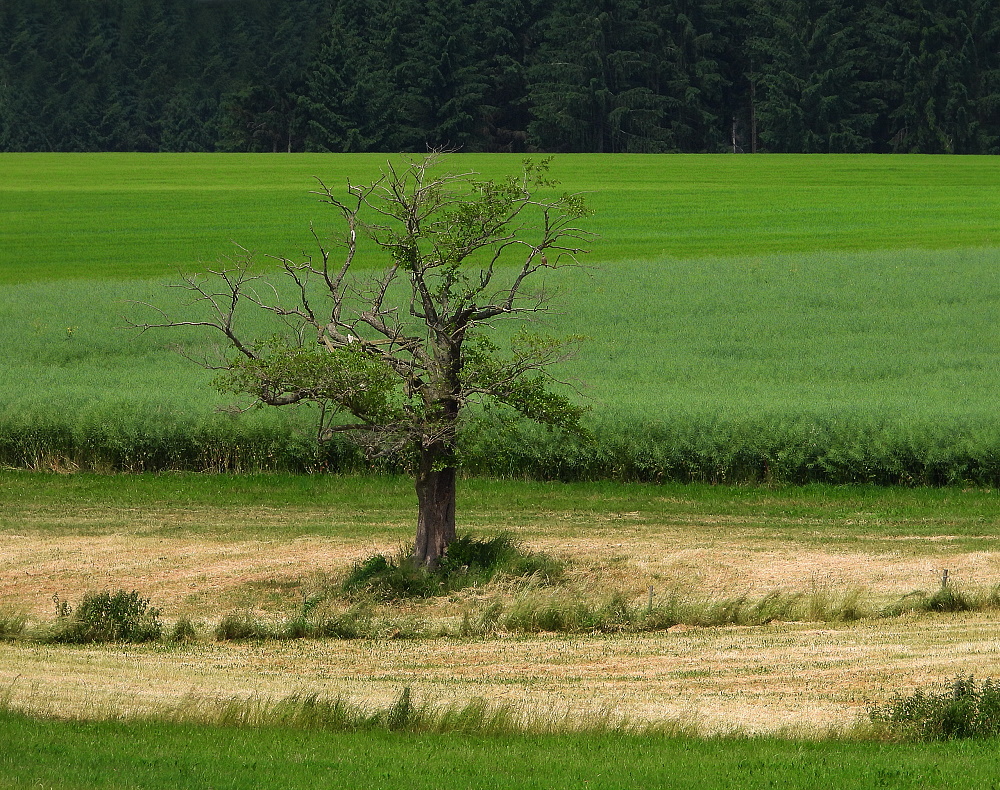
500 75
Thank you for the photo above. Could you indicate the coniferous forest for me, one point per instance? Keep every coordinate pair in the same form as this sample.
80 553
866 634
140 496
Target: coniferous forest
501 75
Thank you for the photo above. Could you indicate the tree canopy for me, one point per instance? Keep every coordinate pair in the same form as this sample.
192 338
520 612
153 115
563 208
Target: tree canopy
394 358
500 75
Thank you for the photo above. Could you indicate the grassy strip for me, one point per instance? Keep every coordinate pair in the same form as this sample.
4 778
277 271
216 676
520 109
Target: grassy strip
60 754
384 506
140 215
531 611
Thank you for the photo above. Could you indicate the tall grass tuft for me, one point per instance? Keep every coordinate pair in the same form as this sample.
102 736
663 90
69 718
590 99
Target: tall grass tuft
966 710
945 599
243 625
560 610
12 624
408 713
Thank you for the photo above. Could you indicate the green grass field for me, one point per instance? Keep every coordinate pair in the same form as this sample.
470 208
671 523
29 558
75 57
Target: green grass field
55 754
776 317
751 318
99 216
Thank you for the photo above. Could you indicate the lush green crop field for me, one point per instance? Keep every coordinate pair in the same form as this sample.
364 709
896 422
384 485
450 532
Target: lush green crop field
39 753
826 317
135 215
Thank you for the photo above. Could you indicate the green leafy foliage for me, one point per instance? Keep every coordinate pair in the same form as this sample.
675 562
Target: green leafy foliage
969 709
353 381
106 617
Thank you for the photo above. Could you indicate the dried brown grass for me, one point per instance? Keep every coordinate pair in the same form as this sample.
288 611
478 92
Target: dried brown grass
767 678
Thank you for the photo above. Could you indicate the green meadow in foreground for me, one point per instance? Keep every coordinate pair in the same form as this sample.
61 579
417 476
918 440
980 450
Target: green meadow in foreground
788 318
69 754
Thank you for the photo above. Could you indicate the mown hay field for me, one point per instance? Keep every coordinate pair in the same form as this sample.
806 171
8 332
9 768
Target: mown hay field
269 547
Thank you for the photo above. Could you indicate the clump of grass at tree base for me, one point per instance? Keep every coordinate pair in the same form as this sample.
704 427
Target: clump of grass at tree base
106 617
966 710
468 562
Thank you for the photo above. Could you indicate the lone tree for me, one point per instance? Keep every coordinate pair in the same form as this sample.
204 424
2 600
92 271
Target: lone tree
392 357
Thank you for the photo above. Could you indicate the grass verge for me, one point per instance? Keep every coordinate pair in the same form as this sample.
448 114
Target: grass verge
107 754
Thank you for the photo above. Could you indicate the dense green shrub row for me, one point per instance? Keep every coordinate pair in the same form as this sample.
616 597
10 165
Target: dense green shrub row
106 440
789 449
860 448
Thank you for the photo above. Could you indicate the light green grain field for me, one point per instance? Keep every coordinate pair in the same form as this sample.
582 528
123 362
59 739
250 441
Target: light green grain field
782 317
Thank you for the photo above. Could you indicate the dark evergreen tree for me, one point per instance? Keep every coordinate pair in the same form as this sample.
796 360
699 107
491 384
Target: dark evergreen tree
590 81
687 68
347 101
811 86
438 75
507 31
945 69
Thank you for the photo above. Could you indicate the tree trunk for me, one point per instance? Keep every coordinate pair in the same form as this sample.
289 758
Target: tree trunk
435 485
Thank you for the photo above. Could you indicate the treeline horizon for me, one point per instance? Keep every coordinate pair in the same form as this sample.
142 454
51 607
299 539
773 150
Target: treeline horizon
615 76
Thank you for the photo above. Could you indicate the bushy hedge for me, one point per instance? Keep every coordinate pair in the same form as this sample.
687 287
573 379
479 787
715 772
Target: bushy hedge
690 448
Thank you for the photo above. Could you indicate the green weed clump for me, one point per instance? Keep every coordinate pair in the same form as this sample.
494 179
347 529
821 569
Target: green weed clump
243 625
12 624
106 617
951 598
184 631
356 622
469 562
966 710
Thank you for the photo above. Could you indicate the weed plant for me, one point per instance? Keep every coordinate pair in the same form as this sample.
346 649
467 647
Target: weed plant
12 624
968 709
106 617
